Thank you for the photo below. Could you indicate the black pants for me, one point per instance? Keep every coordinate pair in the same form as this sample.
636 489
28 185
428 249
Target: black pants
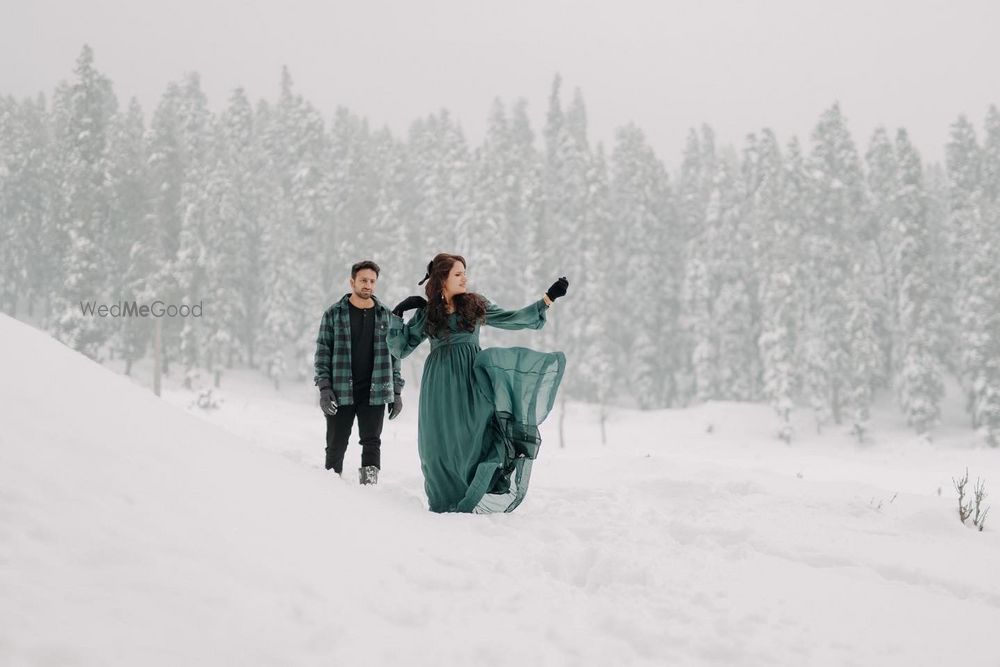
338 432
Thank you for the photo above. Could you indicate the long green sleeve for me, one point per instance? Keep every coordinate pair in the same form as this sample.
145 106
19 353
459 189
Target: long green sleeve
531 316
404 337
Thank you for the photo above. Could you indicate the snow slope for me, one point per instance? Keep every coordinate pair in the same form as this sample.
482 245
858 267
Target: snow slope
135 532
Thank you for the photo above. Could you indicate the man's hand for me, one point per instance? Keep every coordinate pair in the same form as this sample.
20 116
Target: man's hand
396 406
327 401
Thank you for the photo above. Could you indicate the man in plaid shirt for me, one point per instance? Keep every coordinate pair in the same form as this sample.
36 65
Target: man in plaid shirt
356 375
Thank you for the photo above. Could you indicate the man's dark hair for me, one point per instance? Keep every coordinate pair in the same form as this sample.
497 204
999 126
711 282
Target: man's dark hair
366 264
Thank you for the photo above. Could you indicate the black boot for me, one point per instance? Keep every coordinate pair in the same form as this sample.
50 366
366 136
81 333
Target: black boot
368 475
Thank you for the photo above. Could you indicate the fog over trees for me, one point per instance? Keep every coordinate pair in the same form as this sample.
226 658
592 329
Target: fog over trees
811 273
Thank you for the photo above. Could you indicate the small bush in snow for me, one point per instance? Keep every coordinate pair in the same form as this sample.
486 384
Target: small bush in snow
877 505
207 400
972 507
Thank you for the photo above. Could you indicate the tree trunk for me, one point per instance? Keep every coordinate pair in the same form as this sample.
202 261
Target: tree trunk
604 421
157 355
835 404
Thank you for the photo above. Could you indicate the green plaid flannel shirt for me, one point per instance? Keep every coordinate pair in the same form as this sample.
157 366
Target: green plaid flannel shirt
333 355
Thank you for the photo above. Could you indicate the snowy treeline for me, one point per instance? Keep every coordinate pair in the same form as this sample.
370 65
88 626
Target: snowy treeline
803 274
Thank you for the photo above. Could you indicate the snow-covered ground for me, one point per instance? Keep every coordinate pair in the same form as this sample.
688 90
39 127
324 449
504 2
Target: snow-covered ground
144 531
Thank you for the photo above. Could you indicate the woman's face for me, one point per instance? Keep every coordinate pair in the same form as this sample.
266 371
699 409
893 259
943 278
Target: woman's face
455 283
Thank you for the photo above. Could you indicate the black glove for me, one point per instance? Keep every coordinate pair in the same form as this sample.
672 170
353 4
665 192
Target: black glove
558 289
396 406
409 303
327 401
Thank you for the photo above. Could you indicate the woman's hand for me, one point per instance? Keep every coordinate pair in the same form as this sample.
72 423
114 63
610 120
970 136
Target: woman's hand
558 289
409 303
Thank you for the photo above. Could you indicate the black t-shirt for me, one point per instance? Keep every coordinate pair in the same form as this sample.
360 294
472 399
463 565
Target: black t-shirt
362 351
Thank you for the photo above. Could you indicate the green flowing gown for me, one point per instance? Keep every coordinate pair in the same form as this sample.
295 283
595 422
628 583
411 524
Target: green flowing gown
477 430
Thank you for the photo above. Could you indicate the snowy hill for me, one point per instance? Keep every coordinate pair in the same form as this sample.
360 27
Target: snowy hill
133 532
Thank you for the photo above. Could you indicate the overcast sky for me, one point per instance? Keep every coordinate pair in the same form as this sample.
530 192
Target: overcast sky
667 66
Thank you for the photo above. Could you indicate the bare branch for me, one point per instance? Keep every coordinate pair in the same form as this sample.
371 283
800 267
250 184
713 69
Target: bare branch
979 492
982 520
964 511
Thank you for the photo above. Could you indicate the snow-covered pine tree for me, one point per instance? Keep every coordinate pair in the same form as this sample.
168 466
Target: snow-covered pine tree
919 380
506 191
442 205
750 259
838 268
129 230
964 164
11 233
981 324
310 196
601 353
489 223
413 251
234 235
167 170
352 184
198 191
717 292
294 141
640 201
810 371
697 299
277 237
456 172
796 188
28 263
128 190
986 285
944 283
777 238
700 290
553 193
865 355
882 180
865 332
567 254
569 257
733 308
557 243
87 106
557 247
525 200
691 201
389 220
991 155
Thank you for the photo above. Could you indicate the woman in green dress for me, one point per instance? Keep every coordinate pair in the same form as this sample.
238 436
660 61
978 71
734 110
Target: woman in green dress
477 429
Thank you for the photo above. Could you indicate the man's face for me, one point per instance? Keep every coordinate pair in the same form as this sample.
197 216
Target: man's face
363 283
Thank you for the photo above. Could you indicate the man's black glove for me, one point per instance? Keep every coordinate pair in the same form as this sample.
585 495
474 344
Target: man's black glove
396 406
558 289
327 401
409 303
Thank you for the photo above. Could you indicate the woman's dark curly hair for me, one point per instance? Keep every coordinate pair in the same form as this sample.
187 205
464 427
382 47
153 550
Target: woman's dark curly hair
471 307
